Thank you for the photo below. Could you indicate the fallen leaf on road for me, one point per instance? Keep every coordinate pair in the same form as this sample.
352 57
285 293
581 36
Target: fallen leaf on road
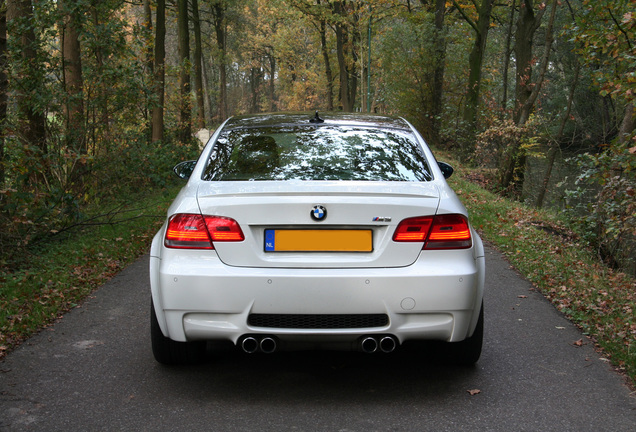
522 296
578 343
473 392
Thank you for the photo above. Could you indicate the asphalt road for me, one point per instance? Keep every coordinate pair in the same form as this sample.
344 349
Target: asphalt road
94 371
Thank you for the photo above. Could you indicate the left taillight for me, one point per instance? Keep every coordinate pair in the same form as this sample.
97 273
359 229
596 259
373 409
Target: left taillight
195 231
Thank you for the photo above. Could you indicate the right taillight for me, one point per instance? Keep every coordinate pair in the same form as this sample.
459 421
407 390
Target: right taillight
195 231
449 231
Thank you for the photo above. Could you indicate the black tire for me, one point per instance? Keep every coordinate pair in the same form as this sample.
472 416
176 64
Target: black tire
169 352
468 351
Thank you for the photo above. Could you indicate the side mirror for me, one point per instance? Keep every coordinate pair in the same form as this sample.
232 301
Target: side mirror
447 170
184 169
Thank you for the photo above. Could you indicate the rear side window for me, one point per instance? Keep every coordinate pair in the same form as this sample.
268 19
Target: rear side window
317 153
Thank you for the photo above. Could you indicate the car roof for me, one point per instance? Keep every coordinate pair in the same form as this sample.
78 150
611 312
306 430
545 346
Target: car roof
304 119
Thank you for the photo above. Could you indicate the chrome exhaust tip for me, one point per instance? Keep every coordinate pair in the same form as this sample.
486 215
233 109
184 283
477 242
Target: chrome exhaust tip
268 345
388 344
249 345
369 345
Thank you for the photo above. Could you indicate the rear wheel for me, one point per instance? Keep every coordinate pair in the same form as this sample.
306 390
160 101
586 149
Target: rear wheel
468 351
169 352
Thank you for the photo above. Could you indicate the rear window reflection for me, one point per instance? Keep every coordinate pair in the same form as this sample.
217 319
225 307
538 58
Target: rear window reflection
316 153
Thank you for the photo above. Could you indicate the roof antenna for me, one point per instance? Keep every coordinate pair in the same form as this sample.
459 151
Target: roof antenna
316 119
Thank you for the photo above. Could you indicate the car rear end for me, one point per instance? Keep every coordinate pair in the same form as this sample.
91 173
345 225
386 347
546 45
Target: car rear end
316 263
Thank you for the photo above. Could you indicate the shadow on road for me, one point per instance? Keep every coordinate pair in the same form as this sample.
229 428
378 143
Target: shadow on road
313 375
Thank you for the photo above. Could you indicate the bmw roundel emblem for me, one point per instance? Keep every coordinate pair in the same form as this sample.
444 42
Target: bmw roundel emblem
318 213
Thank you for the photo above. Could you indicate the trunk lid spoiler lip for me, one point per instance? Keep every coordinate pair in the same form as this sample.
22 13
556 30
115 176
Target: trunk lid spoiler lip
318 188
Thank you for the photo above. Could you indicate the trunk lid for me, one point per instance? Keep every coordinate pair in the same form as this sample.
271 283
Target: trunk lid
367 211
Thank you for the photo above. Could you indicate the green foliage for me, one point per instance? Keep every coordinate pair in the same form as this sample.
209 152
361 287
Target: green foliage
504 142
139 164
74 262
406 50
300 69
41 195
605 33
543 247
603 205
31 217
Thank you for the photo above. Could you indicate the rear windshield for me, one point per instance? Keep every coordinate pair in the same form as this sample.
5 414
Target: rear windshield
317 153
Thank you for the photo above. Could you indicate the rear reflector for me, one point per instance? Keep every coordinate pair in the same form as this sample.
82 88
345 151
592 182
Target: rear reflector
436 232
194 231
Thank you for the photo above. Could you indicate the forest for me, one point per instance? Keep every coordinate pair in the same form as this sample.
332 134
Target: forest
100 98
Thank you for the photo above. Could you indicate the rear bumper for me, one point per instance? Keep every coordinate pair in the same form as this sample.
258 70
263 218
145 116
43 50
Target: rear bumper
197 297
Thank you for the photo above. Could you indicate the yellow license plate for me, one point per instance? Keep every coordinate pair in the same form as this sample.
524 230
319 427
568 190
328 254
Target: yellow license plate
324 240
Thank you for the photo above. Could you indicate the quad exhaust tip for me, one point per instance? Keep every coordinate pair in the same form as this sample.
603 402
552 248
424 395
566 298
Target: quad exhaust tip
250 345
388 344
368 344
268 345
385 344
253 344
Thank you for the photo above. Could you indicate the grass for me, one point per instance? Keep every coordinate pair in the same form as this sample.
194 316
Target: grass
602 302
541 246
60 274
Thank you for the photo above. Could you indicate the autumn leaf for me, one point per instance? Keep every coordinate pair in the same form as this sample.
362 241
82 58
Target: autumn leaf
473 392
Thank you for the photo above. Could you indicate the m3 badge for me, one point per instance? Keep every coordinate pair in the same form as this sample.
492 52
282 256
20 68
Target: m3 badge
381 219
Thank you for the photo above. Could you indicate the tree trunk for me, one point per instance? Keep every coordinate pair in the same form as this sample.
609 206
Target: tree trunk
346 39
218 12
506 59
627 125
272 88
150 67
198 62
148 38
438 74
72 72
185 112
207 92
341 41
325 56
4 85
555 147
529 93
29 79
476 59
353 73
526 108
102 100
256 76
73 87
527 24
159 69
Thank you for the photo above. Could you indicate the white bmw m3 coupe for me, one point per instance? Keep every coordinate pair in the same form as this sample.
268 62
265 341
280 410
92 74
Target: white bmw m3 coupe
303 231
